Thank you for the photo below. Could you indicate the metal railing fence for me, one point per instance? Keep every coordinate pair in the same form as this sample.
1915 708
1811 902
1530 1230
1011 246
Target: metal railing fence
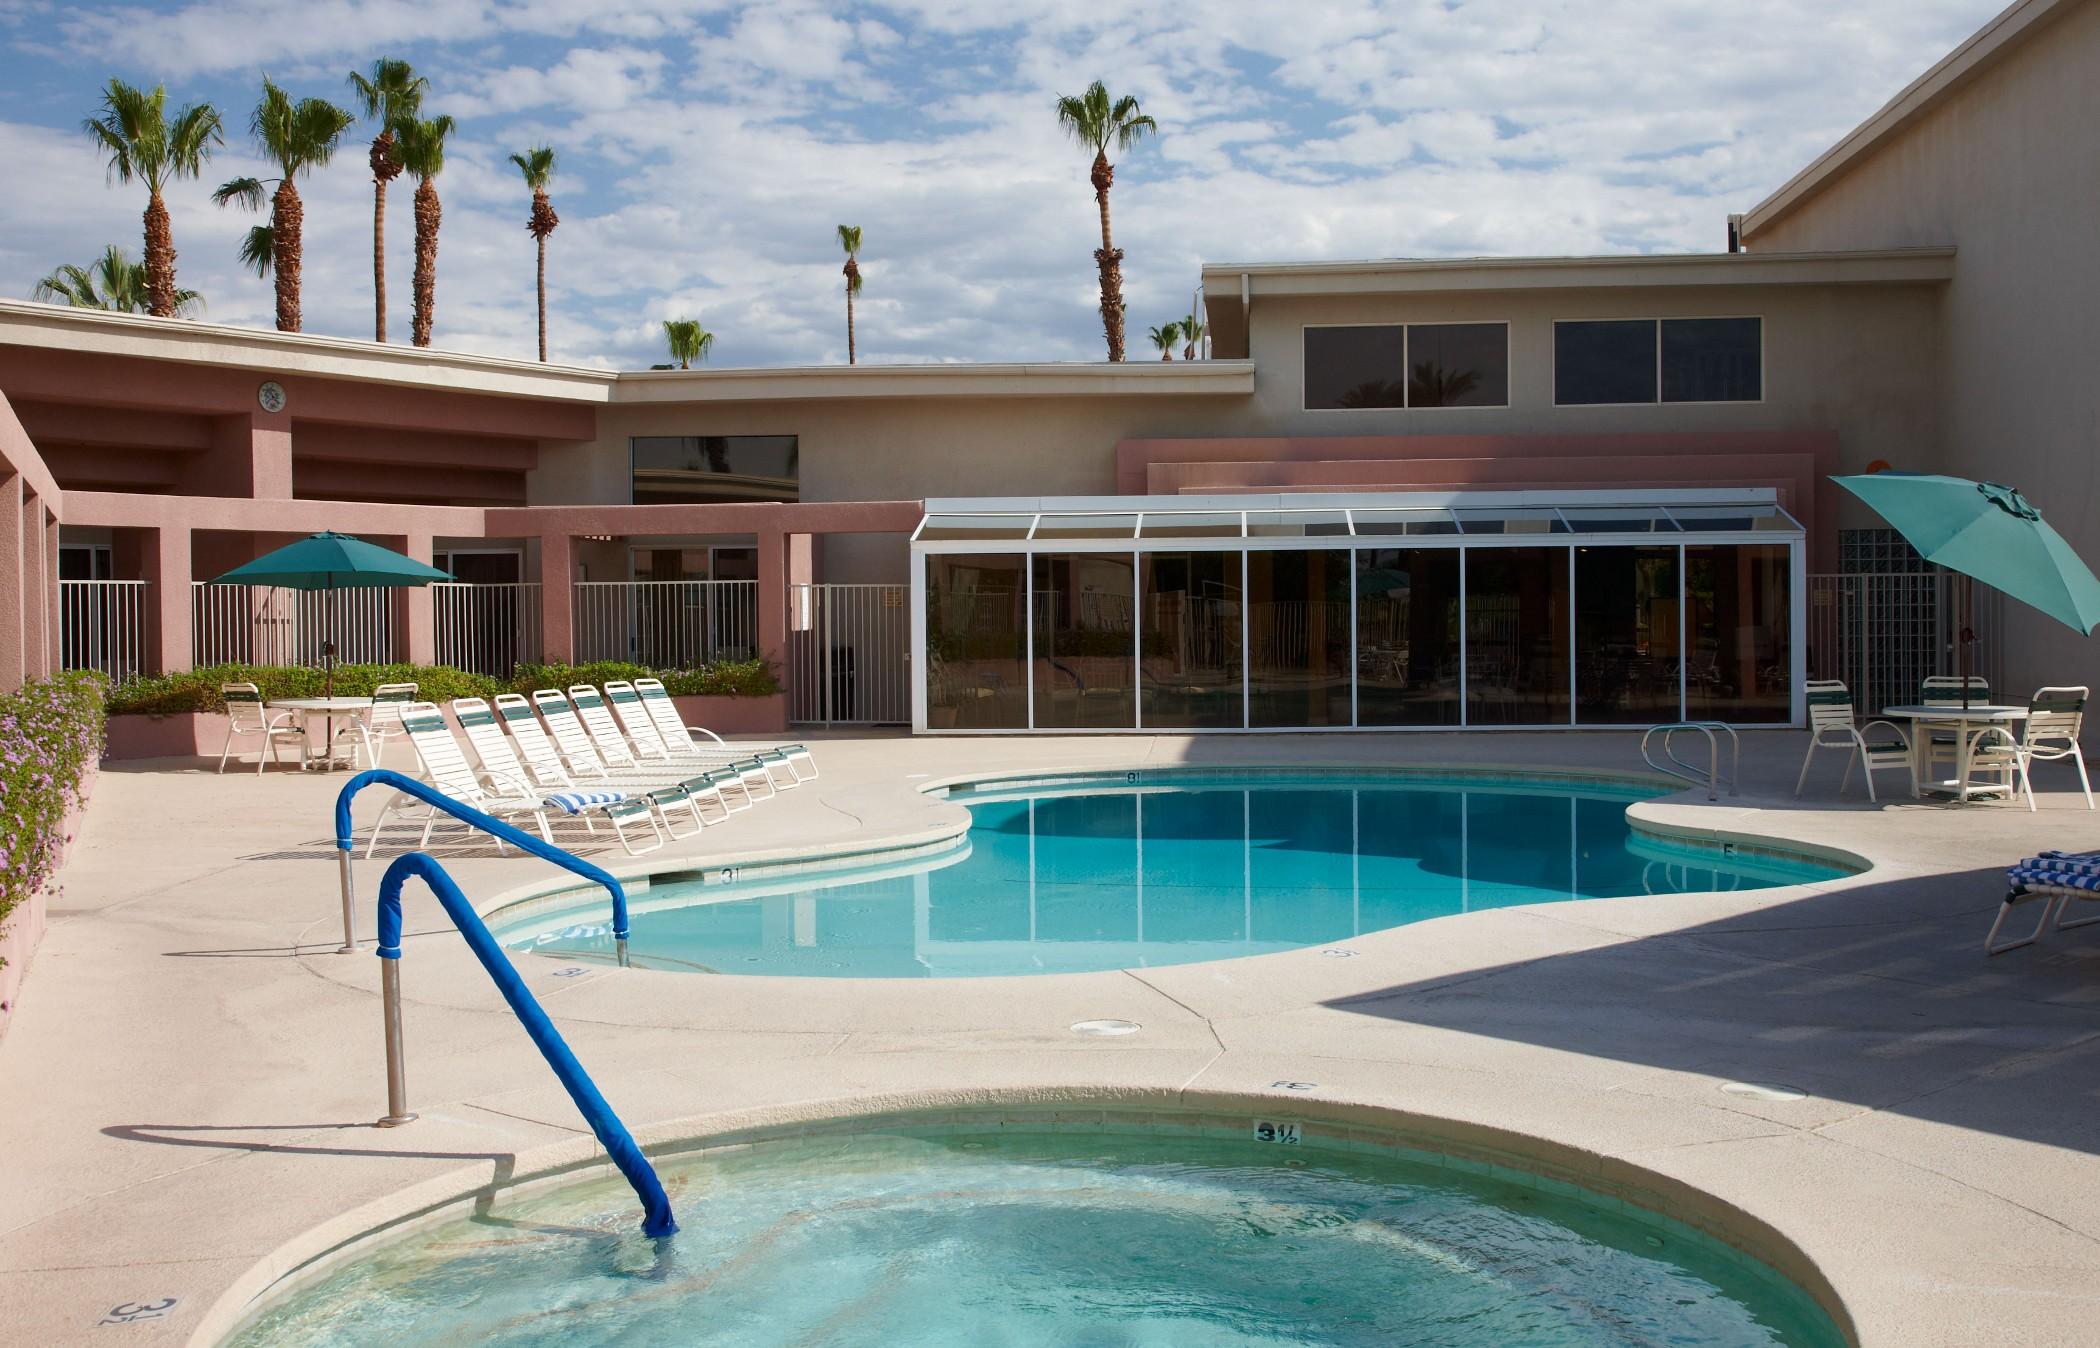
486 629
1884 633
848 657
666 624
271 625
102 625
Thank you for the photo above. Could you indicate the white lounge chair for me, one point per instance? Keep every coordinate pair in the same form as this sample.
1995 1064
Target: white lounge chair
247 717
500 764
580 750
446 769
542 759
604 731
569 735
2054 878
2055 718
1831 726
754 766
663 714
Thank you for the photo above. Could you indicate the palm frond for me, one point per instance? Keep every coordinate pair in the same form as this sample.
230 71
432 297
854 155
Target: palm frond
297 136
688 340
422 145
391 94
1166 337
849 239
537 164
1129 133
191 135
247 191
259 249
132 130
1096 122
69 285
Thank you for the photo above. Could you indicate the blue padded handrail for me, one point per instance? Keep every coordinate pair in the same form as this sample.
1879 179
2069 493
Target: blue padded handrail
517 837
619 1144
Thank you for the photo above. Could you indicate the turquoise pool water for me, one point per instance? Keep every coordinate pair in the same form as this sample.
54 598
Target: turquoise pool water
1052 1240
1168 871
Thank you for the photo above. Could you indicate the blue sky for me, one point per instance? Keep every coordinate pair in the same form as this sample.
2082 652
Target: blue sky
708 150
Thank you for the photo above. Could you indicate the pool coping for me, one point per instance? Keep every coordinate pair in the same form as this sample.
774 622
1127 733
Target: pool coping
1526 1159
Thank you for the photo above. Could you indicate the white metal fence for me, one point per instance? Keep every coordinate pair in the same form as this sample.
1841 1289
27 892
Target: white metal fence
1885 633
270 625
488 629
102 625
668 624
849 654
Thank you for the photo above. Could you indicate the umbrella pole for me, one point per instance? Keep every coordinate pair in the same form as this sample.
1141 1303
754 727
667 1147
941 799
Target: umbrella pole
328 677
1961 637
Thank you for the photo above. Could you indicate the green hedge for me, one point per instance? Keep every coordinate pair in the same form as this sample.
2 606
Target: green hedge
198 690
49 734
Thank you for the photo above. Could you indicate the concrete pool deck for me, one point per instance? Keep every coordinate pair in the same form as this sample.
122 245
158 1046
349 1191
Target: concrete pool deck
188 1086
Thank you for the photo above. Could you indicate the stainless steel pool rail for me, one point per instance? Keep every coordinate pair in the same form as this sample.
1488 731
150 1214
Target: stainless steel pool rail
619 1144
473 818
1711 779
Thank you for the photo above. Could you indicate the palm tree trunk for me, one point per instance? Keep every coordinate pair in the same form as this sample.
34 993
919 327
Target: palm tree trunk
1110 260
850 355
379 259
160 259
428 215
287 214
543 298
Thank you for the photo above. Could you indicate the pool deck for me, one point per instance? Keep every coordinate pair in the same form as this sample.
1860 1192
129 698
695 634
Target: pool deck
189 1082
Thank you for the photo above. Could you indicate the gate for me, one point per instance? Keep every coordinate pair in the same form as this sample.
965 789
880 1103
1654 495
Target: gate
849 654
1884 633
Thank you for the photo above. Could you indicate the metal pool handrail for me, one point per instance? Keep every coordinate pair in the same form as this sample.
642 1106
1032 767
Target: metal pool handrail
1677 767
489 824
619 1144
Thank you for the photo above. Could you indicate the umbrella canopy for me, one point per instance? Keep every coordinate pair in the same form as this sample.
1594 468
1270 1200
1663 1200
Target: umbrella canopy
1987 532
332 561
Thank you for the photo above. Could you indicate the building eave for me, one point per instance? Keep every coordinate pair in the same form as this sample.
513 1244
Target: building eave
1205 378
1222 281
1984 49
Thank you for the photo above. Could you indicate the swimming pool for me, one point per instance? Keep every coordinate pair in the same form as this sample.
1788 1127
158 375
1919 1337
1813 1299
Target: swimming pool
1062 877
1022 1238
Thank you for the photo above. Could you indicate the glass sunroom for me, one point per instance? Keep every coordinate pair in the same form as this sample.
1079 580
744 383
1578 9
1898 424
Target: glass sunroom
1430 610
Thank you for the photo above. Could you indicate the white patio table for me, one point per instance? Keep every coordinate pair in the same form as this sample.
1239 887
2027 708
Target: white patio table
1965 723
342 708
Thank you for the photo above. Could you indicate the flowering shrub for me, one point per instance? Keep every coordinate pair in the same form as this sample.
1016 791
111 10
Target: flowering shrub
198 690
49 734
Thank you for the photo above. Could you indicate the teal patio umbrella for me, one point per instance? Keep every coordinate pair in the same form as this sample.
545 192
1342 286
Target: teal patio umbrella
1986 532
331 562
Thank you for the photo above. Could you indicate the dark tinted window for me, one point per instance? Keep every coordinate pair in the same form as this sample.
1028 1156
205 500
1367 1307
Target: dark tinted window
1457 365
1712 360
1604 362
677 469
1354 367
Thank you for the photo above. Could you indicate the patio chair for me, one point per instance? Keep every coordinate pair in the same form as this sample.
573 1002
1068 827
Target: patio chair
1945 690
569 734
605 733
2054 719
626 706
246 716
500 763
2054 878
1831 726
663 713
754 767
383 722
445 768
542 760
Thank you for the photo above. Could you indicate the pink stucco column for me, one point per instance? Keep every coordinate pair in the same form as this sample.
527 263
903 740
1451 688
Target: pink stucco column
250 455
557 598
419 605
54 612
168 597
36 588
773 598
13 586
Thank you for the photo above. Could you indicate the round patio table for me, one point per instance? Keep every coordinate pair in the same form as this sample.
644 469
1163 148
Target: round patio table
348 708
1965 722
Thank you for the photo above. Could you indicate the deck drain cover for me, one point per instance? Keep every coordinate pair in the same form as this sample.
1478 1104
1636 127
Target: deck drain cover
1105 1029
1764 1090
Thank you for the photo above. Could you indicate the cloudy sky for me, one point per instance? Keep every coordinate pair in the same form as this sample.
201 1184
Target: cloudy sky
709 148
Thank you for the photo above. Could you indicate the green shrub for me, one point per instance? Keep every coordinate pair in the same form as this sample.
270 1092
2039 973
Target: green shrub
49 734
198 690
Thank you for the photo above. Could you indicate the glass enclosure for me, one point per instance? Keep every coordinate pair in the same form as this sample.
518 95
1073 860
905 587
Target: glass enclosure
1480 609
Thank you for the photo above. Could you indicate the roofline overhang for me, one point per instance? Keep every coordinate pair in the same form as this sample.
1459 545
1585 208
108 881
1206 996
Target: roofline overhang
1227 282
1029 380
1984 48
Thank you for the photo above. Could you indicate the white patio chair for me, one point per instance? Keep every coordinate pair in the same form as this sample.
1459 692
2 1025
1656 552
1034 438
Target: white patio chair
500 764
2054 719
383 722
1943 745
246 717
1831 726
445 768
663 713
754 767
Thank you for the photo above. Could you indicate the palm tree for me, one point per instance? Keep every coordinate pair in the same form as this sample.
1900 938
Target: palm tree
1165 339
422 145
134 131
537 164
112 282
849 239
1096 123
1192 333
689 341
391 95
297 137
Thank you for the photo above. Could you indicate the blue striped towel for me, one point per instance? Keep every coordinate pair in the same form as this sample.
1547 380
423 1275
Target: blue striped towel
2028 875
576 802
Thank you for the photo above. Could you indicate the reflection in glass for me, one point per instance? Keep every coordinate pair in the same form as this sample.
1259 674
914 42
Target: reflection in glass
1298 638
1085 651
1517 636
1604 362
1191 635
1354 367
975 643
1712 360
1457 365
681 469
1626 635
1407 636
1086 526
1739 633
